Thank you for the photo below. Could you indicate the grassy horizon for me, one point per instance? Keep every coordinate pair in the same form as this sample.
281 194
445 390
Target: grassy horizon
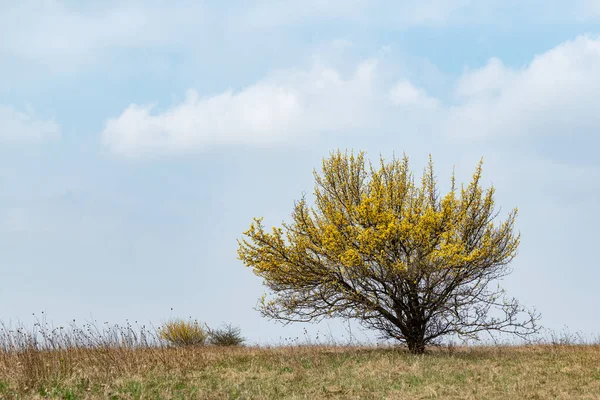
121 363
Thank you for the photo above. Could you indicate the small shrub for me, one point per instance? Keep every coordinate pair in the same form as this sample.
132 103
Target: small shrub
183 333
228 335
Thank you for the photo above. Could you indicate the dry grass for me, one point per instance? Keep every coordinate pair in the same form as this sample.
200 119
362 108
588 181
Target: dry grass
126 362
125 371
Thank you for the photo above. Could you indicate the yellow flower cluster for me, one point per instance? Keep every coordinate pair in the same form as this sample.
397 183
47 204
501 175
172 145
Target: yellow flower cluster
367 218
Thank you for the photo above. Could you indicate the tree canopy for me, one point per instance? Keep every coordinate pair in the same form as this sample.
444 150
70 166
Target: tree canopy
399 257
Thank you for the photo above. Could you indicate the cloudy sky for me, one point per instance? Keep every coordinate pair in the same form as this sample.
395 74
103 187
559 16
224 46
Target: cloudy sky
139 138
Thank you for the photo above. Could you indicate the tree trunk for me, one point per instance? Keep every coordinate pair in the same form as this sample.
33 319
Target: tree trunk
416 337
416 346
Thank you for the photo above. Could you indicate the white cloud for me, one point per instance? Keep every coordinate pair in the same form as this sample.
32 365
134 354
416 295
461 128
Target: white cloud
57 32
485 82
405 93
555 96
550 105
17 126
68 33
286 106
588 10
266 14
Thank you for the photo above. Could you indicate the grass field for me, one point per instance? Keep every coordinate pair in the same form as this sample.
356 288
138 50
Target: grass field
303 372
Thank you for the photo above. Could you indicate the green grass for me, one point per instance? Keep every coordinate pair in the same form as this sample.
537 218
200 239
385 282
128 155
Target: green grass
307 372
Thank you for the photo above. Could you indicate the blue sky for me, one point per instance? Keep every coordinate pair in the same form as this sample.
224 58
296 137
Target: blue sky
139 138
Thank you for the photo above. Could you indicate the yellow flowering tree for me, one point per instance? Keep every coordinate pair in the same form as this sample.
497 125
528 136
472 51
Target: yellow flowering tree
397 256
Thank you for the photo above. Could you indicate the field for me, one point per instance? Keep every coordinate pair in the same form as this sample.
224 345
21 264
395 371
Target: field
303 372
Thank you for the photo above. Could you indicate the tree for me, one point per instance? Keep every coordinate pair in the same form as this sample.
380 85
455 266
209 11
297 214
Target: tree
396 256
